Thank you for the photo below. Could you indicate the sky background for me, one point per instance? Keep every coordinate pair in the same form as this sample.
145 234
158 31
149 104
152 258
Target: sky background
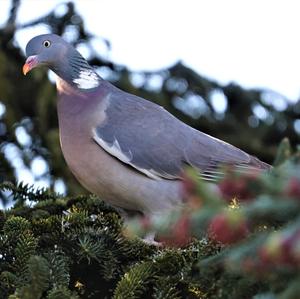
253 43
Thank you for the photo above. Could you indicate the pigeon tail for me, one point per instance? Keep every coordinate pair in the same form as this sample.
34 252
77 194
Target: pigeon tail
255 162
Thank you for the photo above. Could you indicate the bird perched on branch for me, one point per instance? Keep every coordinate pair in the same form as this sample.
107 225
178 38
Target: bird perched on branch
129 151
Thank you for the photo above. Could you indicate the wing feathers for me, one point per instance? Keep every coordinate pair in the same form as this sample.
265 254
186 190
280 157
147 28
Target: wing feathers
151 140
115 150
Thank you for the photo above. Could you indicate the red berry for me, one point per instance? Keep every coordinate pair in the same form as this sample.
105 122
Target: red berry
228 228
293 188
280 249
189 185
292 247
271 251
237 187
189 190
295 251
179 234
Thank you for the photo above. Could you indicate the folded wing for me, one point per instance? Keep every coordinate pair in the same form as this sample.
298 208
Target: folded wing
155 143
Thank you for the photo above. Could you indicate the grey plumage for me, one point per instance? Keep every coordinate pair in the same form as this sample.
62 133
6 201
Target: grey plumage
155 141
129 151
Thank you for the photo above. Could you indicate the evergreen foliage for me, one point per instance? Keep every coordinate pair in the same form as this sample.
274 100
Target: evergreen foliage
66 247
255 221
215 247
243 242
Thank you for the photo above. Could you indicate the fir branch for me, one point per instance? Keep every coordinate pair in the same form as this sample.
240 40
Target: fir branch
38 269
8 281
23 192
26 247
59 270
15 226
61 293
89 249
165 289
134 283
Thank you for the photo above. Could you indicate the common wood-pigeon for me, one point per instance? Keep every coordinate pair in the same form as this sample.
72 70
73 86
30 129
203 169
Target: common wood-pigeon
129 151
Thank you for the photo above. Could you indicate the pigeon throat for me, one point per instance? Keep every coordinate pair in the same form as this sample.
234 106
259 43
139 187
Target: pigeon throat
86 78
77 73
83 80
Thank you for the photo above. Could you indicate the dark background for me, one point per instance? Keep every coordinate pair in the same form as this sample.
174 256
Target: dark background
30 104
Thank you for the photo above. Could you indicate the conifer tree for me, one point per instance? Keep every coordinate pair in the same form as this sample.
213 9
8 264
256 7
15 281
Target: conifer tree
242 242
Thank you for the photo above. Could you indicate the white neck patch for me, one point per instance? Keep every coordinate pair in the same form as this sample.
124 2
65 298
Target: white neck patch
87 79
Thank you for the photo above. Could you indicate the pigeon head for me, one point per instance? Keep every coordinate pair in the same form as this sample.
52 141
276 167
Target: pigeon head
46 49
54 52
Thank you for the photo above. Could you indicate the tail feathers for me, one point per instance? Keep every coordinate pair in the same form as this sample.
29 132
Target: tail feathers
255 162
214 174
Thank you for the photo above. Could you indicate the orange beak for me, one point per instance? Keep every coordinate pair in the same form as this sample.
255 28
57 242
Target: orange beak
30 63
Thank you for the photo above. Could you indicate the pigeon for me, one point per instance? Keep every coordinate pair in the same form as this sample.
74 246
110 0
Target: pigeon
127 150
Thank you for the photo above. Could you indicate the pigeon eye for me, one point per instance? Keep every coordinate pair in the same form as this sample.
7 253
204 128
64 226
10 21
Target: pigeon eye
46 43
